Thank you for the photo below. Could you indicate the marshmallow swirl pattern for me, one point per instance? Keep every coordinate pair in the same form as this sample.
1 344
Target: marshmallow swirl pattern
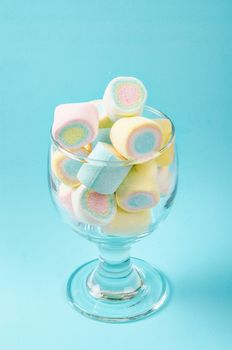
140 189
92 207
136 138
124 96
65 168
103 178
75 125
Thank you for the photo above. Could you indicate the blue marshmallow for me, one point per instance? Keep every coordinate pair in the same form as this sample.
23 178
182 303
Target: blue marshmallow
103 178
103 136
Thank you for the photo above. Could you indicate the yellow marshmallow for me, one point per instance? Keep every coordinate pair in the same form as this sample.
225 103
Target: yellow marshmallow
65 168
166 128
136 137
125 223
165 180
166 156
105 122
140 189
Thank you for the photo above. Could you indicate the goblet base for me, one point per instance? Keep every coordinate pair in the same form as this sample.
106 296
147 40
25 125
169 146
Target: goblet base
150 297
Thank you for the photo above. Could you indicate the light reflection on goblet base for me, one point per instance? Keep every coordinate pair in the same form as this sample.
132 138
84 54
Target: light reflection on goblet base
147 294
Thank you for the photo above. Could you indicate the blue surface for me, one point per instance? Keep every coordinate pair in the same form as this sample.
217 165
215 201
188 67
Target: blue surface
66 51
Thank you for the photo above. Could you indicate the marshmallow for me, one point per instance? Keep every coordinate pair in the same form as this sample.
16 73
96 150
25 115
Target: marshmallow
140 189
125 223
93 208
166 155
104 120
65 199
103 136
136 138
124 96
65 168
75 125
166 128
164 177
103 177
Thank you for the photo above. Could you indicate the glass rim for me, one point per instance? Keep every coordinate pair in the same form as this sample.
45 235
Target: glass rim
123 162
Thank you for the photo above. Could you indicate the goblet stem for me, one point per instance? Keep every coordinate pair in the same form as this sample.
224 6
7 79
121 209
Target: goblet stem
115 277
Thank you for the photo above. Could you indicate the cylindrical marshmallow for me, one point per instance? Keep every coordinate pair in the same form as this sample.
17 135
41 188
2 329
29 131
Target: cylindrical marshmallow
64 197
104 120
166 156
103 136
140 189
166 128
165 180
65 168
136 138
93 208
75 125
125 223
124 96
103 176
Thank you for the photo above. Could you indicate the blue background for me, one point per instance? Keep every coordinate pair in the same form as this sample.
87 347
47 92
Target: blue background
65 51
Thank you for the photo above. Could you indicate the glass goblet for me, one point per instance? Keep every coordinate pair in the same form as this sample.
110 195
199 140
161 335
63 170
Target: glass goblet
115 287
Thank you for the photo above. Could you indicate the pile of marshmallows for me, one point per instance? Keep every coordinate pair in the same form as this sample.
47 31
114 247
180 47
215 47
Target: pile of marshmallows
101 133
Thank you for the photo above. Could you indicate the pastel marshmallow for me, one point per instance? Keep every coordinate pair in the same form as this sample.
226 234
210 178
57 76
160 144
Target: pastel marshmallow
125 223
92 207
103 177
165 180
65 198
124 96
104 119
136 138
103 136
140 189
166 128
167 155
75 125
65 168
